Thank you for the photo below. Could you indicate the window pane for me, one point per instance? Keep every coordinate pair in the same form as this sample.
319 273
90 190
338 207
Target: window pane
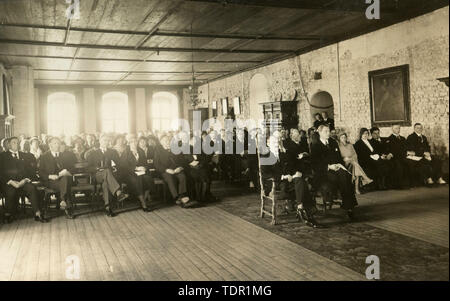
115 112
62 114
164 109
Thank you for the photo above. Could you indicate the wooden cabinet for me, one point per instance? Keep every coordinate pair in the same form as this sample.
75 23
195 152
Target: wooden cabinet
281 114
203 113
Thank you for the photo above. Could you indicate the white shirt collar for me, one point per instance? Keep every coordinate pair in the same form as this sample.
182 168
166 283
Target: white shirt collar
54 154
17 153
325 141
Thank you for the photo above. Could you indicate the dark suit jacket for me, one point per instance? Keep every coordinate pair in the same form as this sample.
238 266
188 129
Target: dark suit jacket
149 155
364 153
417 144
317 123
165 159
322 156
396 146
97 159
17 169
128 163
293 164
329 122
379 146
49 165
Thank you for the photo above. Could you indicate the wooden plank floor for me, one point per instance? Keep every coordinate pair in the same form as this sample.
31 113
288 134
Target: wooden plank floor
168 244
421 213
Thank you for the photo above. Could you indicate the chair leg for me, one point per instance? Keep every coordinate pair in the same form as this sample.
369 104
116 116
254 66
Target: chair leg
274 213
262 208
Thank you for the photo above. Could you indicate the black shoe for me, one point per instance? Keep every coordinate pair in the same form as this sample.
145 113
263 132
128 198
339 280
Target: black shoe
190 204
301 215
8 219
40 219
350 215
146 209
110 213
69 214
314 224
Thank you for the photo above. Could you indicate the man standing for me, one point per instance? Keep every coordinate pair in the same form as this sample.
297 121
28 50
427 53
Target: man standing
329 171
420 160
100 162
318 120
55 173
328 121
16 176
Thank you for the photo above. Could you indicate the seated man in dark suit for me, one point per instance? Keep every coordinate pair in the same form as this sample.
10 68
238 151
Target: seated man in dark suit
289 179
396 150
422 165
56 174
298 152
168 165
16 176
329 171
100 162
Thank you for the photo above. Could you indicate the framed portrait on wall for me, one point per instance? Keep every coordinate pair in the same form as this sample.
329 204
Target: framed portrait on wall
237 105
390 96
225 106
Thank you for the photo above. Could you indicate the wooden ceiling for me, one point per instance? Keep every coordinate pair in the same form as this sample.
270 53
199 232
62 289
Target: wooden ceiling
136 42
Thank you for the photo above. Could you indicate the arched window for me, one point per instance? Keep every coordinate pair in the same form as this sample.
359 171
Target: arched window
62 114
115 112
164 109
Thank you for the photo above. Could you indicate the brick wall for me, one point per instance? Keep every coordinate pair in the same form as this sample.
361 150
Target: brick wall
423 43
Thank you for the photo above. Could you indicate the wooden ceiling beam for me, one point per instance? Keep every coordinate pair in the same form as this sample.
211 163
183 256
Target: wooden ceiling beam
178 34
157 25
154 49
131 72
356 6
79 58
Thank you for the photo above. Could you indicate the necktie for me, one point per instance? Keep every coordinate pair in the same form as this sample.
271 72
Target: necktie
15 156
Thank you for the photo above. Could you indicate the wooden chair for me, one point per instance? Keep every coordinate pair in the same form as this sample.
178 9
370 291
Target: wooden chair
48 193
274 199
161 185
84 185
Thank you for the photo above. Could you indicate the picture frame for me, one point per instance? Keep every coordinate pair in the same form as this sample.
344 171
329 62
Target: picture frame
225 106
237 105
390 100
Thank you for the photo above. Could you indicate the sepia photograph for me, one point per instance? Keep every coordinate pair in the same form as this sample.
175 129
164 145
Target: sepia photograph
222 148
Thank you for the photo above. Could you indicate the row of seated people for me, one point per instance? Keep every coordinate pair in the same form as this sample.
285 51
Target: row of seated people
394 162
134 162
332 164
